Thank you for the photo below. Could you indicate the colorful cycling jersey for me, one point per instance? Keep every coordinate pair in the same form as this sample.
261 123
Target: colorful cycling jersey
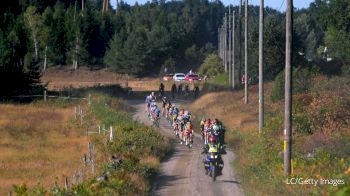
148 100
175 111
207 128
157 112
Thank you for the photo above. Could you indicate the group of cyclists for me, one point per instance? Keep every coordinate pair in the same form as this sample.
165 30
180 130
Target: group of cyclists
180 90
152 109
181 121
212 130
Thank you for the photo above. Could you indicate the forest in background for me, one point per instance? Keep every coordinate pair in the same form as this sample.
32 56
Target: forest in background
142 39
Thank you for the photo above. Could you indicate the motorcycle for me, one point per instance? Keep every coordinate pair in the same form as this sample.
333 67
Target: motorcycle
213 163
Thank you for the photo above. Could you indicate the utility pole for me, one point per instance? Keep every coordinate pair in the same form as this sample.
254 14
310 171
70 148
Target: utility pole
261 62
219 48
229 46
239 41
222 41
246 53
288 91
233 49
225 42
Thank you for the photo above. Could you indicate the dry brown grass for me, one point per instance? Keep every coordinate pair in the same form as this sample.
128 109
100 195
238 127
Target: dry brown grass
64 77
229 107
150 161
38 145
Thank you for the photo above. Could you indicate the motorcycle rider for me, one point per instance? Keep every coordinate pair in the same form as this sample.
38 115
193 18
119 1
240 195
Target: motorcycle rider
212 147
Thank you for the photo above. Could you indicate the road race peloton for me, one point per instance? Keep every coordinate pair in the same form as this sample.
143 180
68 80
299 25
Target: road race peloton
212 132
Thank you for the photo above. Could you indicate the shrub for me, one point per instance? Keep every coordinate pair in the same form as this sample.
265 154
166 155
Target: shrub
211 66
301 82
277 92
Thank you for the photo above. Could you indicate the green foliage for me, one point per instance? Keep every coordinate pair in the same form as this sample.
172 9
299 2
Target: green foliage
211 66
21 190
338 42
277 92
301 82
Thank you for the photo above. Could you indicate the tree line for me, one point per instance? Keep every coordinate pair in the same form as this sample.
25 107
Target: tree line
142 39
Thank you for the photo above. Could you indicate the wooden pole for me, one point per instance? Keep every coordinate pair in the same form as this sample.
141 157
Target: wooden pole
89 100
81 116
229 46
84 160
261 64
66 185
111 134
246 53
225 42
239 41
93 167
233 50
75 113
288 90
45 95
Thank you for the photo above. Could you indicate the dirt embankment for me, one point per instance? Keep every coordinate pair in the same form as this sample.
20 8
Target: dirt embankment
229 107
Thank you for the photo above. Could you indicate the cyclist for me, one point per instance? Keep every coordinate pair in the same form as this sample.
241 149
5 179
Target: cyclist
173 91
164 104
161 89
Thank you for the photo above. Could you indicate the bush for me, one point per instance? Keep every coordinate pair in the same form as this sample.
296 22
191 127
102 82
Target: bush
211 66
277 92
301 82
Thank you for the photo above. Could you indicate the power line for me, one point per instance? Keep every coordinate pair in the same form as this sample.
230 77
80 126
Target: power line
281 6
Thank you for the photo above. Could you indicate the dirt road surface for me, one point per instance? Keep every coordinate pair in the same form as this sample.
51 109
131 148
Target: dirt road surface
182 174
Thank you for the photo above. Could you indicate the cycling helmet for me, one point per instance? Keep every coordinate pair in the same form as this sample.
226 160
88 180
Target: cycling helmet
212 139
216 128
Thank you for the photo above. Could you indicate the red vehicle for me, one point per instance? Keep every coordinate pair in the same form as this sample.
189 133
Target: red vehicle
192 77
168 77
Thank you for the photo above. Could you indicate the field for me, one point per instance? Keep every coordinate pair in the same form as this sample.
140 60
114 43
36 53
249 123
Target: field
61 78
40 143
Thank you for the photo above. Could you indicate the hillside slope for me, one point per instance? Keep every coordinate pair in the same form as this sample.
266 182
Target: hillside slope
321 135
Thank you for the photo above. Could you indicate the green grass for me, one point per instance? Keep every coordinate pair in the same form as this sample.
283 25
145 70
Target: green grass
217 83
260 165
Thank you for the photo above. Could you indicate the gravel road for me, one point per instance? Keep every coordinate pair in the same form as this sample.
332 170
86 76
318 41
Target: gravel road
183 172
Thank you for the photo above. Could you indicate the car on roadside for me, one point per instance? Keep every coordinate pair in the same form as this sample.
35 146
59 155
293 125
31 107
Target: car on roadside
192 77
179 77
168 77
